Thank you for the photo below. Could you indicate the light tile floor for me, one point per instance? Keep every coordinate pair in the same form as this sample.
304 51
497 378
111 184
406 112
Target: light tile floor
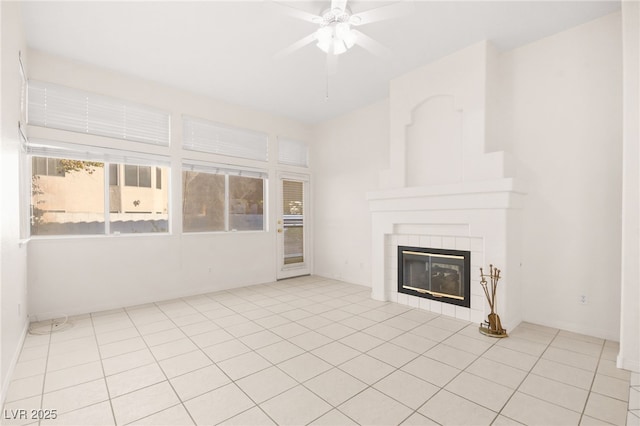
313 351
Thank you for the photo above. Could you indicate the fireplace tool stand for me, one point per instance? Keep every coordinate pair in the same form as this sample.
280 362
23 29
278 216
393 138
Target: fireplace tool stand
492 327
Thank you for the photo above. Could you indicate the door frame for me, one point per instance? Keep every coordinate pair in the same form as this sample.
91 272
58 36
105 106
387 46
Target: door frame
305 268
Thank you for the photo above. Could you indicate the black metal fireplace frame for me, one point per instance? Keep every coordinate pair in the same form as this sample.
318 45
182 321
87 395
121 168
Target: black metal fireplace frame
466 275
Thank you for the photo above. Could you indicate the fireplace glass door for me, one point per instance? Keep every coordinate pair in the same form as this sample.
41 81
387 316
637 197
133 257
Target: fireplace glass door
434 274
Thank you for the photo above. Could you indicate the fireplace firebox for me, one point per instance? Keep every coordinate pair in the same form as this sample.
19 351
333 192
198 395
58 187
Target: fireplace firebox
437 274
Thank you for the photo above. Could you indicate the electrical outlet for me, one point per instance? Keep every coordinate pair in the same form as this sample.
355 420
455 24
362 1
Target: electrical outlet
583 299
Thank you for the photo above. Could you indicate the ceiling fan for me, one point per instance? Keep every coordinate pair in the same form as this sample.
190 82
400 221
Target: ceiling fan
336 33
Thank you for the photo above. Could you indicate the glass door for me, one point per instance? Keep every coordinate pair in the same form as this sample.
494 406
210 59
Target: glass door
292 228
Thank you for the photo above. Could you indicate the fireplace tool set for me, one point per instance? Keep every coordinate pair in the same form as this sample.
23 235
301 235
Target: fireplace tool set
492 327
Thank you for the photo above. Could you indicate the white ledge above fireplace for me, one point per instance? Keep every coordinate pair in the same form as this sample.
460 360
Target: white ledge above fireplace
497 193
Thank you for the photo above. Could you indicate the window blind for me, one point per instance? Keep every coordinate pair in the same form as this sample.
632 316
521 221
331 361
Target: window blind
207 136
292 152
292 197
59 107
193 166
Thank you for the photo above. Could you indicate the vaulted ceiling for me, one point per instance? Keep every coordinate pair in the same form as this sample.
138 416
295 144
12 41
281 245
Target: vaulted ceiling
227 49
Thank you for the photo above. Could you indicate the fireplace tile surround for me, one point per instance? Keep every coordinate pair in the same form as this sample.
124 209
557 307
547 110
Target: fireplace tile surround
474 312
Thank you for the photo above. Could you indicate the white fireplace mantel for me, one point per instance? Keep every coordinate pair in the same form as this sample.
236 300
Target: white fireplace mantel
481 216
491 194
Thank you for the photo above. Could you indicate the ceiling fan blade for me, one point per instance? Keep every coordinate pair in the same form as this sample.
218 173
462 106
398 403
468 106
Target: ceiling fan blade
297 13
295 46
371 45
395 10
339 4
332 64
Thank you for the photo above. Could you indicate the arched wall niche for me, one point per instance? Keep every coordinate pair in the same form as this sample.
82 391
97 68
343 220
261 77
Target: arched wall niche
434 142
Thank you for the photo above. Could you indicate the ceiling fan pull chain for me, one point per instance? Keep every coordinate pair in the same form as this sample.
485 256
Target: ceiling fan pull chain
326 96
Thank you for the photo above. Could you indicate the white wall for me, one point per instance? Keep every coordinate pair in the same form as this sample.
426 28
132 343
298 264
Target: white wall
562 116
348 153
85 274
13 270
629 356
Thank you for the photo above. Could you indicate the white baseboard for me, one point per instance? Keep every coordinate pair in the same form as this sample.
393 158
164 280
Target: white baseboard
628 364
12 367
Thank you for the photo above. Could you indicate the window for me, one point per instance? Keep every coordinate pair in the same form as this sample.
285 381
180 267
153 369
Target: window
222 200
68 193
139 176
158 178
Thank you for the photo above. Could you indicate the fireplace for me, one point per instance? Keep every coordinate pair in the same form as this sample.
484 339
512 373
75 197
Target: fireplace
437 274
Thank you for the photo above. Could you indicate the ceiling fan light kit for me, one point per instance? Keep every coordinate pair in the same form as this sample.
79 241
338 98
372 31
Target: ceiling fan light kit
335 35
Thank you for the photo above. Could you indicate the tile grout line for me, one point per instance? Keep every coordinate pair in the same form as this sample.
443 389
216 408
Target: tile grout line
593 380
46 367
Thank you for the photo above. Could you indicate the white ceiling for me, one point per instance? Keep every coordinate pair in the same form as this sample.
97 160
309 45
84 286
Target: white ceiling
225 49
